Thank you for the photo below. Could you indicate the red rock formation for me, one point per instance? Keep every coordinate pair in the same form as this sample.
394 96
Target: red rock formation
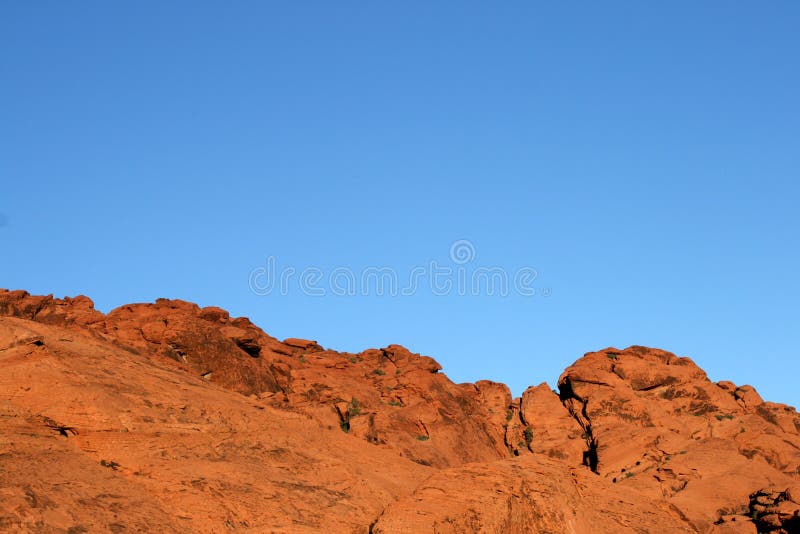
655 420
171 417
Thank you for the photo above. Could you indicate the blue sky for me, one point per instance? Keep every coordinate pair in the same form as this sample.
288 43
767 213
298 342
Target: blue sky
642 158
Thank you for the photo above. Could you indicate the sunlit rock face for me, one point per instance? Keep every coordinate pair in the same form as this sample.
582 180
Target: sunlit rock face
168 417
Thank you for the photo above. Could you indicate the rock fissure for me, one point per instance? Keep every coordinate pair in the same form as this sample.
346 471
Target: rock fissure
568 398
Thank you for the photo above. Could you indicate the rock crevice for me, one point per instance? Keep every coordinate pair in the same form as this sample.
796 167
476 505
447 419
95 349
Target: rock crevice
578 409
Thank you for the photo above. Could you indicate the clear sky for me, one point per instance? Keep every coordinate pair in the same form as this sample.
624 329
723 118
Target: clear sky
643 157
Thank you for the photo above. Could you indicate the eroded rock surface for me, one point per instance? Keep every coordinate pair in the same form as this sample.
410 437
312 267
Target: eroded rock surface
171 417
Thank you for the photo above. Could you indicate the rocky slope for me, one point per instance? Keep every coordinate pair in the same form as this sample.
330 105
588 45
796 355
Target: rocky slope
168 417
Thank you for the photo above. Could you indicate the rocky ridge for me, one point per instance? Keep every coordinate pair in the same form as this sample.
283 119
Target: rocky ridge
172 417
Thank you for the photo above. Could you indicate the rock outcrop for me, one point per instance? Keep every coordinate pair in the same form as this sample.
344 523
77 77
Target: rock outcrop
171 417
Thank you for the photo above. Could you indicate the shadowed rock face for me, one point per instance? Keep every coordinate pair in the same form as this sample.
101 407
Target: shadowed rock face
171 417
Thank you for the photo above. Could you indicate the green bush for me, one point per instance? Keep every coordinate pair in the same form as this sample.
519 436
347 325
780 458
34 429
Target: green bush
354 408
528 433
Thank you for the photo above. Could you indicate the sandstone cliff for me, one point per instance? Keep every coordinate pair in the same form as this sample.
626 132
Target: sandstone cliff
168 417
